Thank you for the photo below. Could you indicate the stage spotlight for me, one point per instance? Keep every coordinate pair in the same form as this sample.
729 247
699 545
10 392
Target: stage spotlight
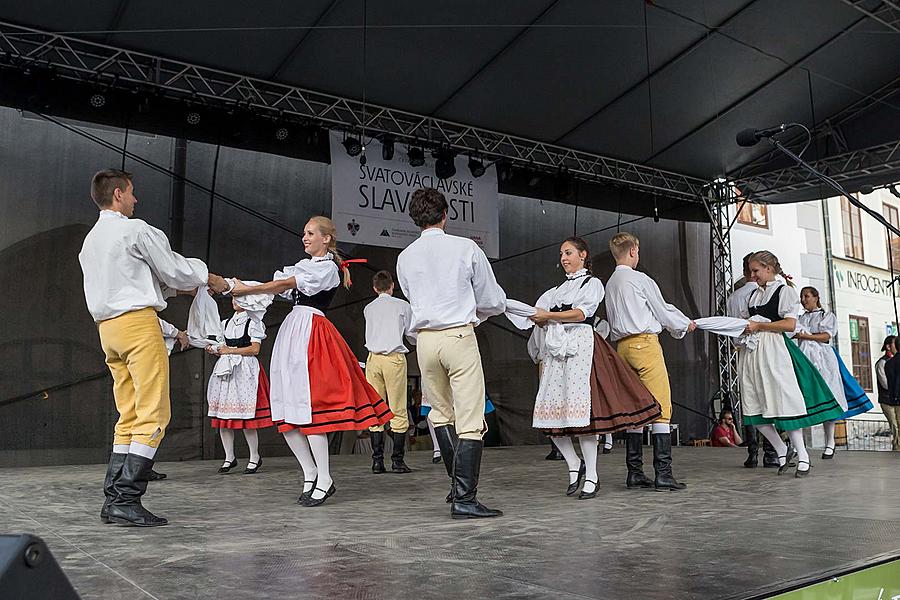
476 167
98 100
416 157
193 118
281 134
387 147
562 184
444 164
352 145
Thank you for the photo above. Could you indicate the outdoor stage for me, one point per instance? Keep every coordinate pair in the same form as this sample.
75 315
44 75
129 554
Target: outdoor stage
734 533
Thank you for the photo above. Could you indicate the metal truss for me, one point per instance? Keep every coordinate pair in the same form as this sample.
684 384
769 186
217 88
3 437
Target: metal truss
882 159
886 12
719 196
108 66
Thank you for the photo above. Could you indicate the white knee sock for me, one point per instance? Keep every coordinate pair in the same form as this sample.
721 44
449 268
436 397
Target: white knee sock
829 437
434 442
796 436
227 436
318 443
589 452
567 449
607 441
300 447
768 431
660 428
639 430
252 437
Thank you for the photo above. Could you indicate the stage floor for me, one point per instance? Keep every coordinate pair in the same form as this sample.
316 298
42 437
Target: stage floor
733 533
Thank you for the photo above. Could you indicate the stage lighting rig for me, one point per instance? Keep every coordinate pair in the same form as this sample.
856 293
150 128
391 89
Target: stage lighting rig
476 167
353 146
445 163
415 156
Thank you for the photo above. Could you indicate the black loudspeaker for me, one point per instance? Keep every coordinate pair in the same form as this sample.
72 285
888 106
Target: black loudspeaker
28 570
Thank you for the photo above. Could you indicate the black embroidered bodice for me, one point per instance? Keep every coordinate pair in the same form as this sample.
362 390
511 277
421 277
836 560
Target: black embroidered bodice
768 310
588 319
243 341
319 301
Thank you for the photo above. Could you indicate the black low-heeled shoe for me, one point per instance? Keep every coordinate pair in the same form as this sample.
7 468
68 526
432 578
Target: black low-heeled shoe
606 450
317 501
306 495
825 455
230 466
249 471
787 461
573 487
587 495
436 459
800 474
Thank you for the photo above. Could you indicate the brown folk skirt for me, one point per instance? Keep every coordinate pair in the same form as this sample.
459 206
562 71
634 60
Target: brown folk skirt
619 400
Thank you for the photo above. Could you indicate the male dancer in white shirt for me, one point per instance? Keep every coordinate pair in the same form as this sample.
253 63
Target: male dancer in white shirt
129 269
452 288
388 320
637 313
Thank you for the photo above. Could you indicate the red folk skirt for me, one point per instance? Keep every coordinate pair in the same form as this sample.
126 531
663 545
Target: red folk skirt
340 397
263 416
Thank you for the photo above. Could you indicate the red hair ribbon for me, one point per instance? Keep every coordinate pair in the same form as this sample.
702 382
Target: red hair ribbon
345 264
788 277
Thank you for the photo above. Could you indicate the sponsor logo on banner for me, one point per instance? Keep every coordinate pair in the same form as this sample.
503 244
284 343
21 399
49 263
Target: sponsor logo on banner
372 200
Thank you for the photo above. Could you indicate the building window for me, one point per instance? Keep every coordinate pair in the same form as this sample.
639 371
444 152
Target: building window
892 214
756 215
861 351
853 241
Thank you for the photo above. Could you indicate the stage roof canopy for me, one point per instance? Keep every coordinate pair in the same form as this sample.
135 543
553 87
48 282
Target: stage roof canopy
664 83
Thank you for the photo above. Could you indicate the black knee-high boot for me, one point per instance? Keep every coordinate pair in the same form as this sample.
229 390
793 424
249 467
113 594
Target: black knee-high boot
377 438
446 437
131 484
634 460
113 469
466 468
662 463
752 447
398 465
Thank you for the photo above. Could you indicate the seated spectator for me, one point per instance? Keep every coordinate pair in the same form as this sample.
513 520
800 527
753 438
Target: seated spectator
725 433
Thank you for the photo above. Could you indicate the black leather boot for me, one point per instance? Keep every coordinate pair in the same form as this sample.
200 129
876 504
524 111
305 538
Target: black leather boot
131 484
662 463
377 438
555 454
752 447
634 460
466 467
770 456
446 437
113 469
397 463
154 476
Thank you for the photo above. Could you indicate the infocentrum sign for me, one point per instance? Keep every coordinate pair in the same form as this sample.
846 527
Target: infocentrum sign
869 281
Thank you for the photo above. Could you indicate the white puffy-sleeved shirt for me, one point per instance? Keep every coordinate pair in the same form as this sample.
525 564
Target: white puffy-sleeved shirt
818 321
449 281
128 265
234 327
388 320
312 275
788 302
579 290
634 305
739 299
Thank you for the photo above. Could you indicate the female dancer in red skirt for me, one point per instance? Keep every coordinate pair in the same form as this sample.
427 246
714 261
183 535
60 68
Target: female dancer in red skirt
238 391
317 384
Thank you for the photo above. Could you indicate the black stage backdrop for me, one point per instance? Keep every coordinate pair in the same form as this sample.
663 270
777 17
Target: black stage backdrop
50 340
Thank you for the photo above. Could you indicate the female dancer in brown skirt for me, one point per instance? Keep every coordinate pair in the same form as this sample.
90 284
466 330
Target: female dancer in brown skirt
585 389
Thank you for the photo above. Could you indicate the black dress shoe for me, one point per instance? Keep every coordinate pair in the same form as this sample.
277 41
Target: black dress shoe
316 502
435 458
305 495
587 495
555 454
251 471
573 487
228 466
752 462
606 450
826 455
154 476
792 454
801 474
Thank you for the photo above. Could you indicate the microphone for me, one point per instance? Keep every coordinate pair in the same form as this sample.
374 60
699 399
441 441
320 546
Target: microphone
750 137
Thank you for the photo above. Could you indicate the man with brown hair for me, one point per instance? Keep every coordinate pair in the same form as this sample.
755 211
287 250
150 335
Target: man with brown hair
451 287
388 320
637 313
129 271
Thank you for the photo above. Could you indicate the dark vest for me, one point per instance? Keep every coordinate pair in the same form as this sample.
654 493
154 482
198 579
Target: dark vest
319 301
588 319
769 310
243 341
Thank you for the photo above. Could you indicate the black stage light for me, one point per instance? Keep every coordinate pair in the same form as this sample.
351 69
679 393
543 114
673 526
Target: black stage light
387 148
281 134
193 118
98 100
353 146
416 157
476 167
444 164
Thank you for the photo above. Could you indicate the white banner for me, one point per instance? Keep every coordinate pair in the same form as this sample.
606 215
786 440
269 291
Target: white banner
370 202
